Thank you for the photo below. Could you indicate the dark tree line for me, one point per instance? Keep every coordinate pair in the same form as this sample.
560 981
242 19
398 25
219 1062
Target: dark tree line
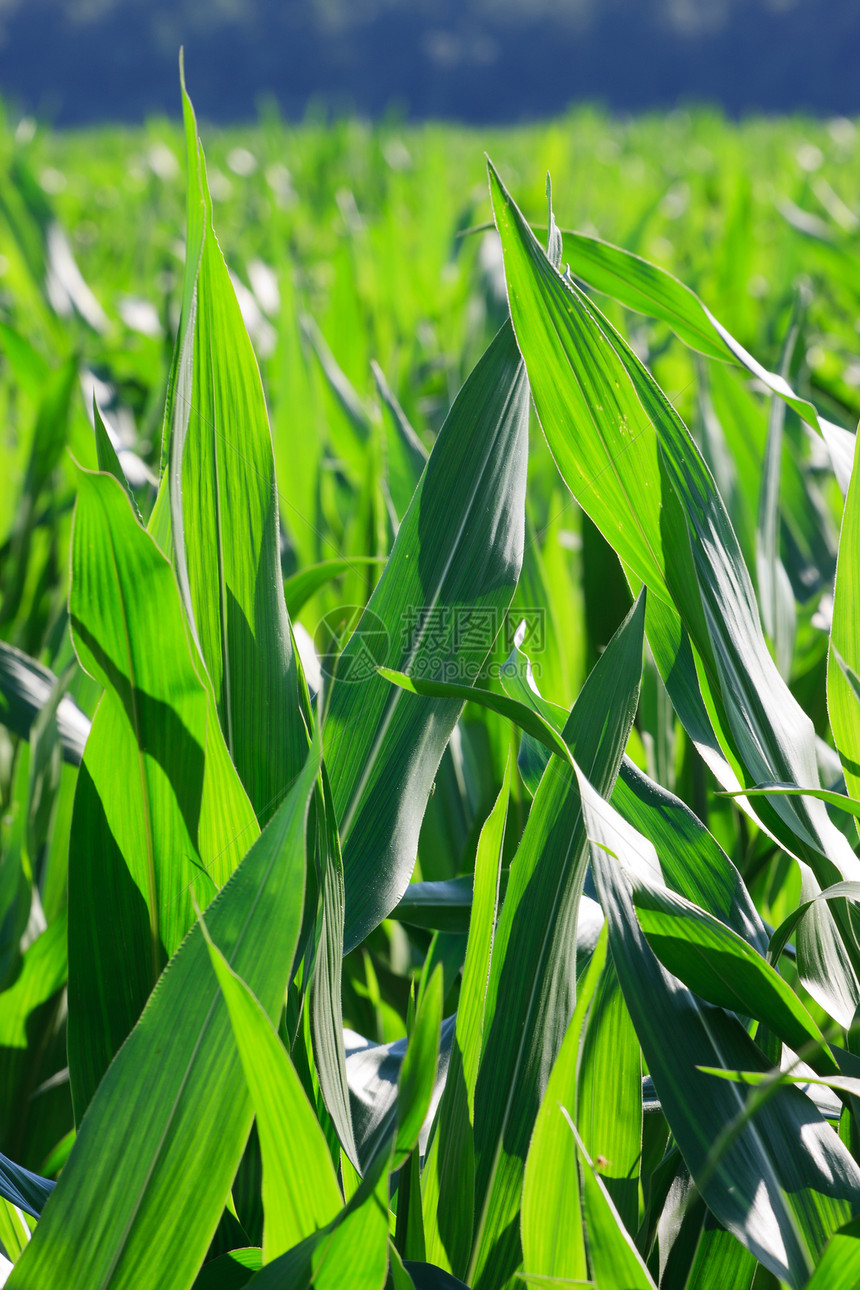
77 61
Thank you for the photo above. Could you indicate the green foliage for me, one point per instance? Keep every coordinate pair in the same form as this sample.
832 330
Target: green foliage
411 875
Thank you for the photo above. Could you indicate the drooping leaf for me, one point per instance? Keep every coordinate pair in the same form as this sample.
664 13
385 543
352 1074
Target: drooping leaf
22 1188
302 585
648 289
722 968
525 716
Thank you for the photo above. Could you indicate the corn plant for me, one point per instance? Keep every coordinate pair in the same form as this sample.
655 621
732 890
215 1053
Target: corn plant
567 833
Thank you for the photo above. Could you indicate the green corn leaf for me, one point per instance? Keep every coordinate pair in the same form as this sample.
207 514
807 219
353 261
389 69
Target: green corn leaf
609 1097
691 860
406 455
159 811
352 1251
839 1268
300 1189
551 1228
532 989
448 1180
440 906
29 1010
426 1276
720 1260
454 565
307 582
14 1233
776 597
783 1182
217 512
526 717
770 1079
517 678
230 1271
780 938
140 1197
615 1262
722 968
648 289
107 458
418 1072
398 1277
325 996
848 804
843 663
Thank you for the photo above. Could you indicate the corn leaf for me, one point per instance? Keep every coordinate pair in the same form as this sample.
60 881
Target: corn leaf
159 811
448 1179
843 702
453 567
552 1235
300 1189
25 688
217 511
532 988
616 1264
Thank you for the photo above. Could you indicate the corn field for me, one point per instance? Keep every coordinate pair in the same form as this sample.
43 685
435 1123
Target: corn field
430 702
